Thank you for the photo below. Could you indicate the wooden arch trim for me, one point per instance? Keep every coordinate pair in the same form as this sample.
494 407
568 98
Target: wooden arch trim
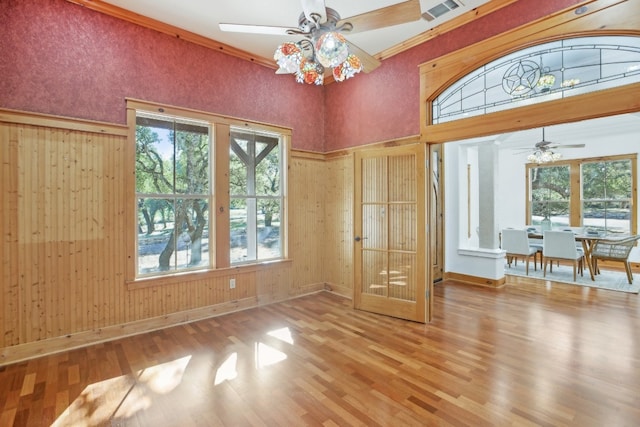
602 17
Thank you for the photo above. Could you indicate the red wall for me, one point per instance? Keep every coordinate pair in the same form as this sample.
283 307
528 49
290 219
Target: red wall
62 59
385 104
59 58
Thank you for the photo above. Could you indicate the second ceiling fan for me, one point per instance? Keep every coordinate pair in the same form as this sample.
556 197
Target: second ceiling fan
543 150
324 45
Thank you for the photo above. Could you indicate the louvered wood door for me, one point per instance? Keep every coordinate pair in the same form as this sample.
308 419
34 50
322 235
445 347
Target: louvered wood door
390 242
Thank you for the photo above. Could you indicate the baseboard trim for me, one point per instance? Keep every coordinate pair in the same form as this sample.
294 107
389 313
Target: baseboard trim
22 352
475 280
343 291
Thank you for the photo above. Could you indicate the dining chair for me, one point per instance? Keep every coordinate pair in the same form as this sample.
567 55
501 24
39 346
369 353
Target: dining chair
516 244
614 250
561 246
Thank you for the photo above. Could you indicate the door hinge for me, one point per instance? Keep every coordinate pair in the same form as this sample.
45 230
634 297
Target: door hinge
426 294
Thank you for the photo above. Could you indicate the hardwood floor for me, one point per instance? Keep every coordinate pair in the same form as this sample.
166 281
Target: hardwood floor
526 354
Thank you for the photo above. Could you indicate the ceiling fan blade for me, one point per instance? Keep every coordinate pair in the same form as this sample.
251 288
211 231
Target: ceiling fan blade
314 7
566 146
401 13
258 29
369 63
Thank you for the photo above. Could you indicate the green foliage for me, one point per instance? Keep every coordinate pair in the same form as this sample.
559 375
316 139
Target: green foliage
192 163
173 159
153 173
550 190
607 180
605 190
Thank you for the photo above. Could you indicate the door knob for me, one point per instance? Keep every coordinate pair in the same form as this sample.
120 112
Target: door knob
358 238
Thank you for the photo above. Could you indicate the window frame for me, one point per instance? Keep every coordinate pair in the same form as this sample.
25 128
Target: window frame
175 195
547 202
576 201
486 89
251 195
219 221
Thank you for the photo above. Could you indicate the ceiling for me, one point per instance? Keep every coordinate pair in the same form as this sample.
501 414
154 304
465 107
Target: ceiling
203 16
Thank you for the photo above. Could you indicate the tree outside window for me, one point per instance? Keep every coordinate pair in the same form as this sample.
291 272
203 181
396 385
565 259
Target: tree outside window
173 193
607 195
550 194
593 193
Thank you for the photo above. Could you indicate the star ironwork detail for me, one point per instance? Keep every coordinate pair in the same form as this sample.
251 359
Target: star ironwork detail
521 78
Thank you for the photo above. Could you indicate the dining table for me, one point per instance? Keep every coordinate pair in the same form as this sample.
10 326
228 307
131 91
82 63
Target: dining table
588 240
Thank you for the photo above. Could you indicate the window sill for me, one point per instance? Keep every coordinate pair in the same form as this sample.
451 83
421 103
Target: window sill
192 276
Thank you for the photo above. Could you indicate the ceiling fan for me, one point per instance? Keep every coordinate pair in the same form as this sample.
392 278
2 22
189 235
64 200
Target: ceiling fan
324 45
543 150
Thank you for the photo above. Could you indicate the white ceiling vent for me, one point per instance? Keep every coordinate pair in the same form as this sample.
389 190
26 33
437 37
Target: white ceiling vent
440 9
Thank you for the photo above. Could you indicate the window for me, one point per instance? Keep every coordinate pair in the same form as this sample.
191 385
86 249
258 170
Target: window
255 185
595 193
208 191
607 195
546 72
173 193
550 194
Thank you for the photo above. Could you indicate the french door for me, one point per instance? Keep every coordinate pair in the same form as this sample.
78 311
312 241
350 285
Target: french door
390 244
436 216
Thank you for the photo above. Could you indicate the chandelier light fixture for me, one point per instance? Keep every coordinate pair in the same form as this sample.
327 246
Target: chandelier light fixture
543 156
323 48
543 151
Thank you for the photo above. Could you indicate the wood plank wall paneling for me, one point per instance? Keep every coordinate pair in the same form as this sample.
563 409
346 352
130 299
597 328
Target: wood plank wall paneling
306 221
57 224
337 256
63 228
273 285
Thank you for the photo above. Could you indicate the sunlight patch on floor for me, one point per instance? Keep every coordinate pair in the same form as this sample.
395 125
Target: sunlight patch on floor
283 334
228 370
123 396
267 355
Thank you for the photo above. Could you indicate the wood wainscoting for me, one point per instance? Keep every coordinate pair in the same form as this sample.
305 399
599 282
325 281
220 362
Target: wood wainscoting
62 276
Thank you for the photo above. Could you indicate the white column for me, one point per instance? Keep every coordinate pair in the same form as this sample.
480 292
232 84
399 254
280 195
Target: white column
487 206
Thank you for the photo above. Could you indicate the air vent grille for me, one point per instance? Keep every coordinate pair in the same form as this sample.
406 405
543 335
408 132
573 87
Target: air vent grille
440 9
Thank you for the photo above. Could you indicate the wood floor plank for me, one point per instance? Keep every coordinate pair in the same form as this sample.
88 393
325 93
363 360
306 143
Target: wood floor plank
538 354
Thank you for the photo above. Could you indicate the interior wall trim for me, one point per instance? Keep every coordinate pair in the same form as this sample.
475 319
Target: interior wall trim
459 21
172 110
343 152
308 155
59 122
592 105
179 33
33 349
475 280
396 142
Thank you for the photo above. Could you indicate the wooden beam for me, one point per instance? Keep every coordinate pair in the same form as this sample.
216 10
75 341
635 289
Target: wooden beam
620 100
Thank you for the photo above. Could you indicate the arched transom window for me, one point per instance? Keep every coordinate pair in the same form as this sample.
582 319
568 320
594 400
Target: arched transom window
542 73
